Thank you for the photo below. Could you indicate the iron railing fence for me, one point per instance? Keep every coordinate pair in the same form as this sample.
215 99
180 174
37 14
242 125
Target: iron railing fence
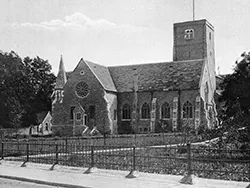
174 159
230 164
116 140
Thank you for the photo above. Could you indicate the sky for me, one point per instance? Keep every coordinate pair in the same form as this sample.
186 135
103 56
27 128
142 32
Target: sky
118 32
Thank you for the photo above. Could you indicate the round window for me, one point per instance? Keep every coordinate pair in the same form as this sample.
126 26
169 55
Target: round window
82 89
82 72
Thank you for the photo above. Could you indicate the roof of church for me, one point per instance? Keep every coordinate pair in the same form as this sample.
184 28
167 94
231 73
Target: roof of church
103 75
183 75
154 76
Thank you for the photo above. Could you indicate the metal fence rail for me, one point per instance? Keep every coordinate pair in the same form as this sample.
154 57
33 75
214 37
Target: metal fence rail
230 164
169 159
115 140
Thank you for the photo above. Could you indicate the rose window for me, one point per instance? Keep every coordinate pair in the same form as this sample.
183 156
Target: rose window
82 89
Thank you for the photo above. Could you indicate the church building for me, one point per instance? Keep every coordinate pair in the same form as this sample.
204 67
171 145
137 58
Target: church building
144 98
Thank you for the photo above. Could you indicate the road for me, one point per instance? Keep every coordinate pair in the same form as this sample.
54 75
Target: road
8 183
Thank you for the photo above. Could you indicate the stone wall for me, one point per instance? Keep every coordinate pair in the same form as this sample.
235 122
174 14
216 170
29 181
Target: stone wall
62 111
67 130
161 97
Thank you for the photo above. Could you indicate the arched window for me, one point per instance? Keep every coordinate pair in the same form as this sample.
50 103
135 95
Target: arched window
187 110
46 126
165 111
206 91
126 112
145 111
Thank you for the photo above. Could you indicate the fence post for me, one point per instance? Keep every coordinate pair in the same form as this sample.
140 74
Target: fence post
189 159
187 179
56 162
66 145
92 165
56 153
2 150
92 156
27 155
27 151
132 171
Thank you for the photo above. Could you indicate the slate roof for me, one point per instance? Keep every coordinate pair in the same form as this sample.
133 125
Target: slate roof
103 75
183 75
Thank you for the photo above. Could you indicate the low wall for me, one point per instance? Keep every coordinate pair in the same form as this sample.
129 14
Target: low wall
67 130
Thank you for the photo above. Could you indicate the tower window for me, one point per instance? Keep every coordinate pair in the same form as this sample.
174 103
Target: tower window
189 34
210 35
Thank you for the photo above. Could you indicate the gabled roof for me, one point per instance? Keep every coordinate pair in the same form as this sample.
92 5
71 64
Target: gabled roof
183 75
78 107
103 75
41 116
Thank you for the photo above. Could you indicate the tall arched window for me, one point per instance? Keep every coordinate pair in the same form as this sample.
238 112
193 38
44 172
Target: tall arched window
145 111
165 111
187 110
126 112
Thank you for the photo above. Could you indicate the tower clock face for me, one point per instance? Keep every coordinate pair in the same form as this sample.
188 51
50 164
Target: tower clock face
82 89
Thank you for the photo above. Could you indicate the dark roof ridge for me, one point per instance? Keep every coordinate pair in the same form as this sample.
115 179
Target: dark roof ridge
190 60
193 60
87 61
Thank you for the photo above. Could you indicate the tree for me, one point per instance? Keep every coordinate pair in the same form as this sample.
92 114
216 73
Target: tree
40 83
236 101
236 88
25 89
11 74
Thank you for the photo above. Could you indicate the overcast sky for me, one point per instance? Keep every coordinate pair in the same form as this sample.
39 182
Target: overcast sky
117 32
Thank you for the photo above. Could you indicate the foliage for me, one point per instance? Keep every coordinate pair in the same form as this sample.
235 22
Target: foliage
236 90
235 111
40 85
25 89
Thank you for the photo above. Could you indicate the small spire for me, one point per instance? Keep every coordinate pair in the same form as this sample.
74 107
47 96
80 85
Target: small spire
218 70
61 76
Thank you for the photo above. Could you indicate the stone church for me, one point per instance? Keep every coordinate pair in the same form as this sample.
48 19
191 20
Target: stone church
144 98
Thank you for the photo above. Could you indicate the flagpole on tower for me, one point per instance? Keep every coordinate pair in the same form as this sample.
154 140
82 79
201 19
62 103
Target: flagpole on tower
193 10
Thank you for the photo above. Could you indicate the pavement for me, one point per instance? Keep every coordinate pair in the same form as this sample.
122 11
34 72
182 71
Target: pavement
74 177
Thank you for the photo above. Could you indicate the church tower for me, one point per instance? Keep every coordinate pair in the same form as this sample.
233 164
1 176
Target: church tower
194 40
60 82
